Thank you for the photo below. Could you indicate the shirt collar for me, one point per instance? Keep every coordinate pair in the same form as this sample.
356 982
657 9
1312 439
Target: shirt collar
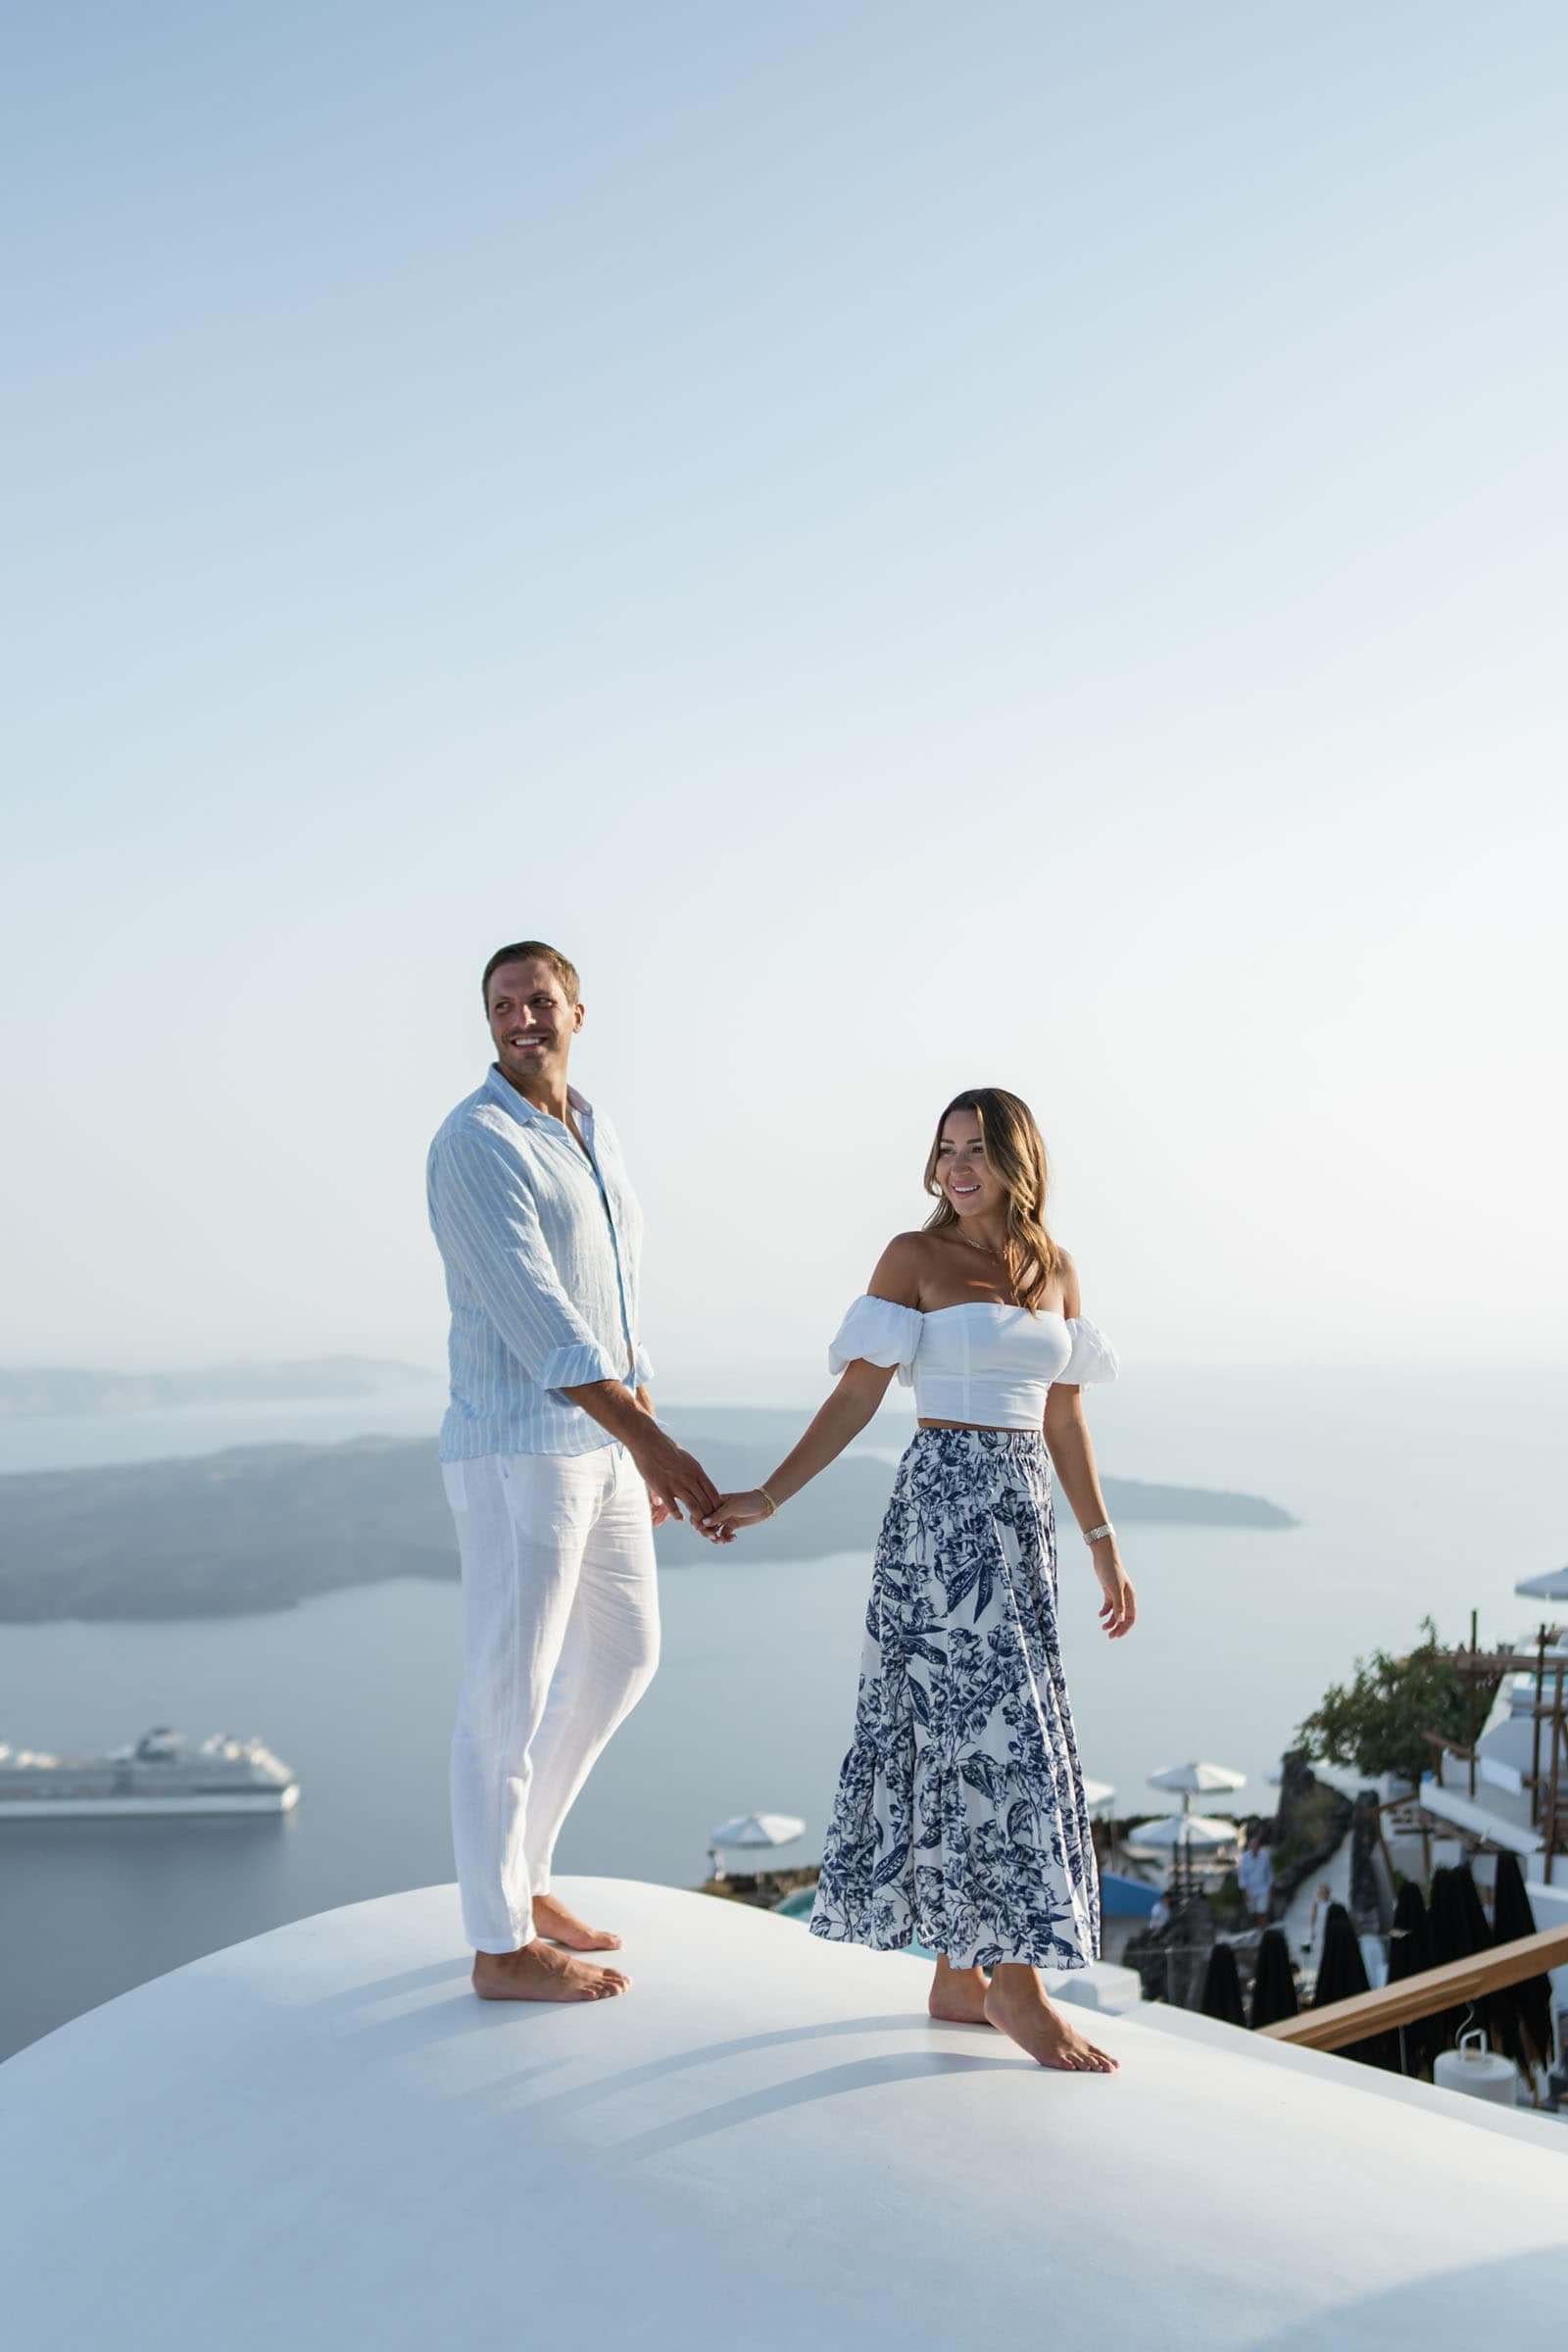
518 1105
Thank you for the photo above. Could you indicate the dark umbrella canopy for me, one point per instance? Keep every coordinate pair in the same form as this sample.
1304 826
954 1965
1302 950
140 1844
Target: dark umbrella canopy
1411 1955
1456 1920
1474 1910
1459 1931
1342 1971
1342 1974
1410 1946
1222 1988
1520 2016
1274 1986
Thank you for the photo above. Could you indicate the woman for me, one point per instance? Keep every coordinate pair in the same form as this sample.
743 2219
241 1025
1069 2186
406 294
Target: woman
960 1813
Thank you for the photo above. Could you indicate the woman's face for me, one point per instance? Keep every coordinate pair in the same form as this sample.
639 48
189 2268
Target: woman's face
967 1181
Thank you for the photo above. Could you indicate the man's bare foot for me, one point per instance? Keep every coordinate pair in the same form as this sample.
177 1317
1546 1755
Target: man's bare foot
1017 2006
542 1972
552 1919
959 1995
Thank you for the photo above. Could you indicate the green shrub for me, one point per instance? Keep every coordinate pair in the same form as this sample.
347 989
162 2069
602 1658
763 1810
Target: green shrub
1375 1723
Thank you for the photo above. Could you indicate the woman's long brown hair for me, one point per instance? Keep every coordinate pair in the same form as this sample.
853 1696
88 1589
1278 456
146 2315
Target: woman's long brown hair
1016 1156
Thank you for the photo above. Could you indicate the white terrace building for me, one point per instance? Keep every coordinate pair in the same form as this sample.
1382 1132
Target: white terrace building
320 2140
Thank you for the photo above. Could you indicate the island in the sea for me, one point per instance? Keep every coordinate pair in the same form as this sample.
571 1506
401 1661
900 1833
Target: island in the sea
263 1527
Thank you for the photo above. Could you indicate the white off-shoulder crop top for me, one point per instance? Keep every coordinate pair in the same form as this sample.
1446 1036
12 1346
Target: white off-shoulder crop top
980 1362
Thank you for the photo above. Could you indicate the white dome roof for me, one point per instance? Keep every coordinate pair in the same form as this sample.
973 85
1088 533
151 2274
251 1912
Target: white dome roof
320 2138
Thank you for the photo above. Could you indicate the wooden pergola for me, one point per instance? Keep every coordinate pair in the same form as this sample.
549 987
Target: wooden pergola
1484 1670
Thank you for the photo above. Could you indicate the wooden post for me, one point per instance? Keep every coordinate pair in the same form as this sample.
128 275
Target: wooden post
1534 1748
1552 1785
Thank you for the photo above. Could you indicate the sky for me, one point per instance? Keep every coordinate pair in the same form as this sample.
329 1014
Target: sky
924 546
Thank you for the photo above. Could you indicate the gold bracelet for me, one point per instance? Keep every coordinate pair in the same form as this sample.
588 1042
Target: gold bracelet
772 1506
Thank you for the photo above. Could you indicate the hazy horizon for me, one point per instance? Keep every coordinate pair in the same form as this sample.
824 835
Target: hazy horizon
1418 1364
1018 548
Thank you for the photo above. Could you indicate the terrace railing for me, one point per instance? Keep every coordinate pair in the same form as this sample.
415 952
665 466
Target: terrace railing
1435 1988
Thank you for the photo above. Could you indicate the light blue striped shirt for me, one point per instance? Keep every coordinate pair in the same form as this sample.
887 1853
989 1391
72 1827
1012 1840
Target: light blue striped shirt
542 1248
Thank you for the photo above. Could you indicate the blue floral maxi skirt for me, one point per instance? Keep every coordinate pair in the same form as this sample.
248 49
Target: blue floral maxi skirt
960 1815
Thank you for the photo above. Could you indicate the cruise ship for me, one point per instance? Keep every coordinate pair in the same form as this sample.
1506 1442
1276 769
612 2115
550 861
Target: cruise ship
163 1773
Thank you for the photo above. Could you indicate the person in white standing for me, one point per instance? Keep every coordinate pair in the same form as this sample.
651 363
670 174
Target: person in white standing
556 1470
1255 1875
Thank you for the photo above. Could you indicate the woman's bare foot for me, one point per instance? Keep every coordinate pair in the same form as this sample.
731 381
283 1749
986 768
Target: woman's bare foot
542 1972
1017 2006
958 1994
552 1919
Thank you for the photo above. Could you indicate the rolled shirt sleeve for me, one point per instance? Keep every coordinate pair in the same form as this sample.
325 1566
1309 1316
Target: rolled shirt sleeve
487 1222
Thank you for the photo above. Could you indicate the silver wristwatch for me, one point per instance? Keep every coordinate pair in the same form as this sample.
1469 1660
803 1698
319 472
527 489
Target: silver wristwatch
1093 1535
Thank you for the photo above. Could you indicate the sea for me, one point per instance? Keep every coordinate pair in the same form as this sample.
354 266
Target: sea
1420 1490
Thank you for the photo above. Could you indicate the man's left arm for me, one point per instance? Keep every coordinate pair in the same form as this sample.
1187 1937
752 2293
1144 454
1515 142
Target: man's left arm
645 1398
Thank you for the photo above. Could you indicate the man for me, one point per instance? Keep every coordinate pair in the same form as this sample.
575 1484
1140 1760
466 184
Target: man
1255 1875
556 1470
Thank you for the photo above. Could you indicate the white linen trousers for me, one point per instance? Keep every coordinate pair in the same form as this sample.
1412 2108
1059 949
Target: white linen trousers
560 1641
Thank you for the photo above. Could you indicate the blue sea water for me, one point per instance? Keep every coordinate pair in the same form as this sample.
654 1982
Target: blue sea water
1417 1492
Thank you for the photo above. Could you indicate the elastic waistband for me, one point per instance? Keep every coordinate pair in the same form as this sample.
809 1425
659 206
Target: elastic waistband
985 1440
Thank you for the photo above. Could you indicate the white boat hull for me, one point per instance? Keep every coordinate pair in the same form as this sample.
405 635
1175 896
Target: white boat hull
107 1808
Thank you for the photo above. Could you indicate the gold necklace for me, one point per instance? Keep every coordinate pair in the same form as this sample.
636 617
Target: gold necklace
986 1250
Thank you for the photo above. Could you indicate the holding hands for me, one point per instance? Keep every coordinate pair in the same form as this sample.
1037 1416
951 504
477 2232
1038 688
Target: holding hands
731 1512
673 1476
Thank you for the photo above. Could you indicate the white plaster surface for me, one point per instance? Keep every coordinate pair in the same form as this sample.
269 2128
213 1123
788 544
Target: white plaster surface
319 2138
1298 1919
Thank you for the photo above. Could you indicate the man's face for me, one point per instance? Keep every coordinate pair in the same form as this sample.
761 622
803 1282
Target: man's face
532 1023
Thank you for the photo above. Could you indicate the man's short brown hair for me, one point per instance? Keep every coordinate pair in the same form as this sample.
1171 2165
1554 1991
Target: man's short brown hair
534 950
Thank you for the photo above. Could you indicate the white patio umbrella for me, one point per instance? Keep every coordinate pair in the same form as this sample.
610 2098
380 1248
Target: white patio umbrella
1185 1834
752 1831
1553 1585
1197 1780
1098 1792
1188 1839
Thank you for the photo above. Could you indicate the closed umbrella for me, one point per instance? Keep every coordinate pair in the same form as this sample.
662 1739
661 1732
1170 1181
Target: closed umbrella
1342 1971
1452 1916
1411 1940
1458 1927
1411 1955
1475 1911
1222 1988
1274 1996
1341 1976
1521 2014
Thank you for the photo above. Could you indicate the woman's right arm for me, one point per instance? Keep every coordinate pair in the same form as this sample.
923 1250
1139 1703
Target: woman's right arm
839 1421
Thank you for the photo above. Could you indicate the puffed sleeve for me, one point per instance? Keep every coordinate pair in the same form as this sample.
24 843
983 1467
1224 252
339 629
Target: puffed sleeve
1092 1357
875 1331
